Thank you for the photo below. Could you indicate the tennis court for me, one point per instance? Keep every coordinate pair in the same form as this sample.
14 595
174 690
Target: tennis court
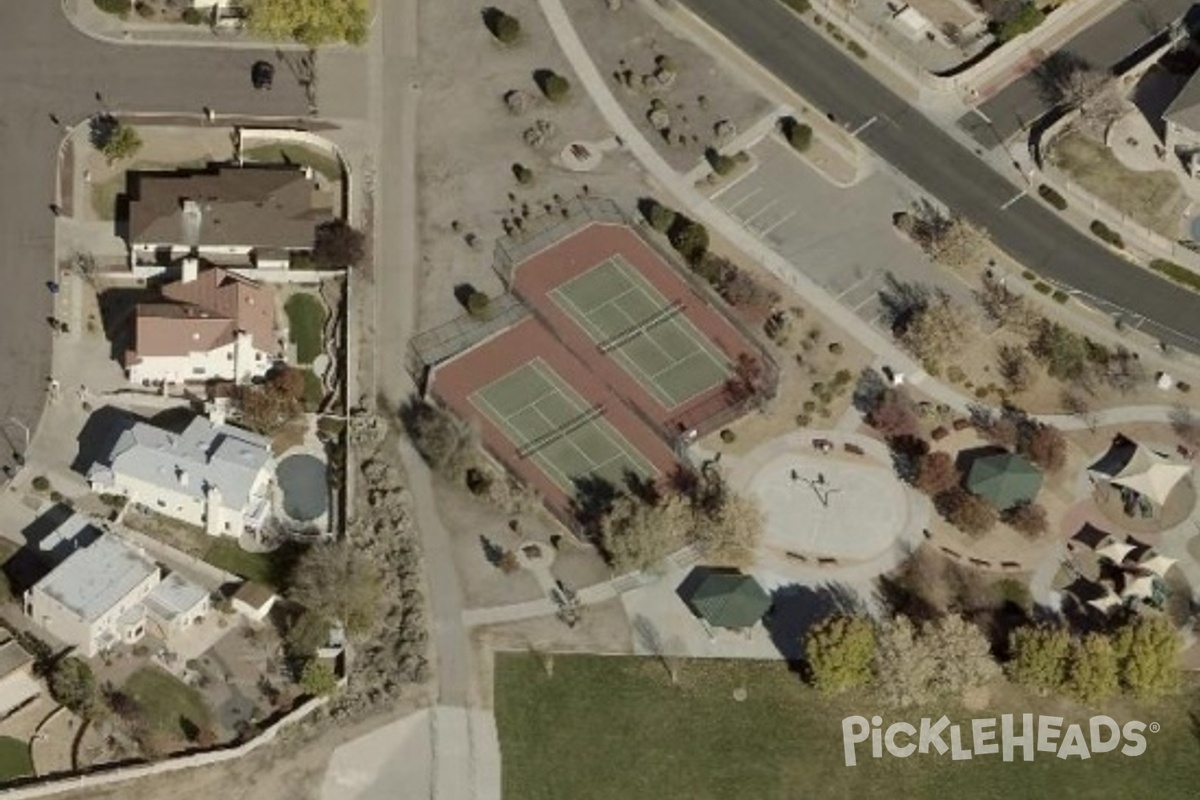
551 425
652 339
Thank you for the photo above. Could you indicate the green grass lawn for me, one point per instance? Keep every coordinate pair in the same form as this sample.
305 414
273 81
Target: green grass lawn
295 154
270 568
306 324
15 761
169 704
314 390
1153 199
613 728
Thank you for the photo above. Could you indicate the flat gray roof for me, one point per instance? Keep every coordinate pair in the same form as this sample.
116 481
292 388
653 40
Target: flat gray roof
93 580
174 596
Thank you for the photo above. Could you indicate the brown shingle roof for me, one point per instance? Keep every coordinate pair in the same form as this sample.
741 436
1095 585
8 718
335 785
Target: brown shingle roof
204 314
251 206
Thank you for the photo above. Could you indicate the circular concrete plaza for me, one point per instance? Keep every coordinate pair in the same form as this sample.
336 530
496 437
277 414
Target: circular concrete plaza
822 507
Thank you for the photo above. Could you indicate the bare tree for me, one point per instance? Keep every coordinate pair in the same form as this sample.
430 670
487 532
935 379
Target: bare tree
1068 81
1075 404
937 330
1015 367
948 238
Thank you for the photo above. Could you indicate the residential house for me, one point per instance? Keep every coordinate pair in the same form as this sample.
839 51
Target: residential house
210 324
111 593
256 214
214 476
17 684
1181 125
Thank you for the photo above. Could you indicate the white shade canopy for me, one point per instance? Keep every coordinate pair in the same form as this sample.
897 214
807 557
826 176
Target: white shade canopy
1139 469
1115 551
1141 588
1157 564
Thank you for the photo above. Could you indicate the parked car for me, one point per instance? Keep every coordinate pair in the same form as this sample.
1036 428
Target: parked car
262 74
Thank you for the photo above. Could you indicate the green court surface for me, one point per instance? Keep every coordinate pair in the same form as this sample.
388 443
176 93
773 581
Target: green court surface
653 340
555 428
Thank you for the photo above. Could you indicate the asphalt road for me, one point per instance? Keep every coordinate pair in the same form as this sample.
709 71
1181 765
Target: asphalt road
1103 45
50 68
902 136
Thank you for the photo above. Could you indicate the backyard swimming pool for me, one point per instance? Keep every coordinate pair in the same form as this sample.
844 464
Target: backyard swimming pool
304 482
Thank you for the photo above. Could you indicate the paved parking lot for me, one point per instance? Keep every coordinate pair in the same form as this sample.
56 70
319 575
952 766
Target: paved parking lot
841 238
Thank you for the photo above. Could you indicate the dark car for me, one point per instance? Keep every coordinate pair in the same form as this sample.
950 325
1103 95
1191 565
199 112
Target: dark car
262 74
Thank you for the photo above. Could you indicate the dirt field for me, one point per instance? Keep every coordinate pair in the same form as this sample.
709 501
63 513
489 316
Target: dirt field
469 142
1153 199
626 43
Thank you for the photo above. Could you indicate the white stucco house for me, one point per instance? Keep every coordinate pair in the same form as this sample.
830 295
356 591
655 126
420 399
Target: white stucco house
211 324
110 593
215 476
249 215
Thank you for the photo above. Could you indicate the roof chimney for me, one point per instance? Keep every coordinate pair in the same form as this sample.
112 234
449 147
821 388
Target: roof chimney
191 268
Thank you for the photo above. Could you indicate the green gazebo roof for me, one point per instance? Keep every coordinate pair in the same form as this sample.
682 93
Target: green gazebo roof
729 599
1004 480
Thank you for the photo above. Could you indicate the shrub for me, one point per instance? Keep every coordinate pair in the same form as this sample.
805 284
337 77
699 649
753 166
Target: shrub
555 87
1028 274
478 305
840 651
1177 273
1107 234
1025 20
41 483
1052 197
193 16
660 217
969 513
798 136
120 7
689 238
856 49
799 6
504 27
145 10
338 245
523 174
721 163
1060 296
1028 518
728 436
1183 386
1041 287
836 348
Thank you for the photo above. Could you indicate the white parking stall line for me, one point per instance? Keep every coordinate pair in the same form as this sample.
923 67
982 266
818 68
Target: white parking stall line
730 208
767 230
750 219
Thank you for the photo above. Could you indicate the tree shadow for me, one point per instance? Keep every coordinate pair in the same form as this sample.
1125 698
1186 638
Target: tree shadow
491 19
101 129
1054 75
542 78
463 293
593 500
795 608
493 552
902 302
